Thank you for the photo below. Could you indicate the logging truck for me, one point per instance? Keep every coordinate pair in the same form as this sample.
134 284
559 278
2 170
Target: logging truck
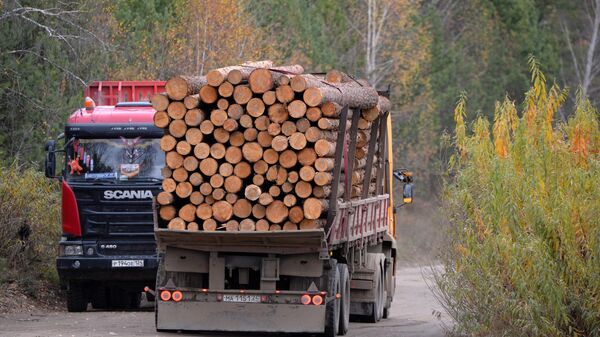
276 213
110 172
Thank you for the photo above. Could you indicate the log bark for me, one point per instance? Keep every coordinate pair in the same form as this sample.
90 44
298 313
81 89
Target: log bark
353 96
180 86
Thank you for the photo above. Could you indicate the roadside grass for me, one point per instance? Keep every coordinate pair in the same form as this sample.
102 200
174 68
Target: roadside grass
29 228
523 198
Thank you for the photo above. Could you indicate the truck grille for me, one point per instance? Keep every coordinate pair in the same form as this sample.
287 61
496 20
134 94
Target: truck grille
131 248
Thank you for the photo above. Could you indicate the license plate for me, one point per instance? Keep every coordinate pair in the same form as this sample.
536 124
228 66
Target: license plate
127 263
241 298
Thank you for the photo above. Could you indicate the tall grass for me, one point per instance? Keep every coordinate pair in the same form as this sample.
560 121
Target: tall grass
29 227
523 197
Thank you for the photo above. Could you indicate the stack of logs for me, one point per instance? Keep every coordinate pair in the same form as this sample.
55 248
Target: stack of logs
251 147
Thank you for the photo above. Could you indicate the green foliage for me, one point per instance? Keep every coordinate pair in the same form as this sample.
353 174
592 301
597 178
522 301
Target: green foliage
29 202
523 202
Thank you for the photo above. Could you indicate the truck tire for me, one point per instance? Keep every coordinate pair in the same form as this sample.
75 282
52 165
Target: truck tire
332 310
345 299
76 299
379 303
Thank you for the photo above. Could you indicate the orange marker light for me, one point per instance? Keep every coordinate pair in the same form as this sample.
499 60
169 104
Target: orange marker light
305 299
165 295
89 103
317 300
338 295
177 296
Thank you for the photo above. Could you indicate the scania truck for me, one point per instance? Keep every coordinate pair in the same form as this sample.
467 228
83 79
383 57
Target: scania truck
109 166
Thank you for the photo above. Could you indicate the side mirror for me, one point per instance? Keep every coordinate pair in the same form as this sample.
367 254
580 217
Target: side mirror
50 162
407 194
405 176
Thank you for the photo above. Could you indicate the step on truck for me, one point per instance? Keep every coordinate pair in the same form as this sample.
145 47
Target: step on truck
109 169
291 281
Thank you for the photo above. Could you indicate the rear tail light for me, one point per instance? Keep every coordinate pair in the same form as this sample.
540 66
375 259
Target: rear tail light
305 299
177 296
317 300
165 295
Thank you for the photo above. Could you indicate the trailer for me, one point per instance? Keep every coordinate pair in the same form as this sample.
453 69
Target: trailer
301 281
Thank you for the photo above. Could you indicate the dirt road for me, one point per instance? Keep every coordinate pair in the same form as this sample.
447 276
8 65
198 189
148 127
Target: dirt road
412 315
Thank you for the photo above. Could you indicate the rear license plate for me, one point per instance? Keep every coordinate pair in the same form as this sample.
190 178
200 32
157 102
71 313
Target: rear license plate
241 298
127 263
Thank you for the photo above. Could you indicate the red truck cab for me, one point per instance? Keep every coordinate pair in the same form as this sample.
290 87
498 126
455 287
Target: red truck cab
110 172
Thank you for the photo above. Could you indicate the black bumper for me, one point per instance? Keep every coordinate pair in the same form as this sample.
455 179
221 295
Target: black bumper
86 268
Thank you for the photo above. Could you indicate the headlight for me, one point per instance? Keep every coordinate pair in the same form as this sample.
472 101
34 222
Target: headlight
69 250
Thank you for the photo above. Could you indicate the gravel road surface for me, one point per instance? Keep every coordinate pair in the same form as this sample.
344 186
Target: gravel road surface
415 313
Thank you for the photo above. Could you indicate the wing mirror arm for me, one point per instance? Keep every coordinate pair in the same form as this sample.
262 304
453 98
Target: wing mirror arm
406 177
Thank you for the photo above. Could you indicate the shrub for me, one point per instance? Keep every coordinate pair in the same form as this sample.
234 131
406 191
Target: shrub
29 226
523 197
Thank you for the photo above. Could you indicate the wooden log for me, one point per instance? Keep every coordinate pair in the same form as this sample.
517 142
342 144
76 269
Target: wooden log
236 138
383 105
313 208
264 139
355 97
289 200
218 194
222 104
209 200
217 151
208 166
313 114
288 159
250 134
284 93
255 107
204 211
176 224
208 94
167 143
278 113
293 177
233 155
242 170
188 212
262 225
262 123
277 212
288 128
242 208
260 167
225 89
209 225
308 224
287 187
323 178
231 198
169 184
184 189
265 199
218 117
201 150
236 74
235 111
180 174
297 109
160 101
269 97
271 174
226 169
297 141
183 148
196 198
161 119
275 227
363 124
258 211
302 125
270 156
281 176
247 225
222 211
307 156
180 86
193 136
176 110
332 110
282 81
300 83
166 172
196 179
173 159
193 226
279 143
325 148
274 129
190 163
167 212
207 127
303 189
324 164
290 226
232 226
216 180
230 125
296 214
165 198
177 128
191 101
252 192
242 94
329 124
336 76
233 184
312 134
206 189
274 191
260 80
307 173
252 152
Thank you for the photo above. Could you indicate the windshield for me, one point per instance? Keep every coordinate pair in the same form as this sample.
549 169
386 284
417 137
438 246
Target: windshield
114 159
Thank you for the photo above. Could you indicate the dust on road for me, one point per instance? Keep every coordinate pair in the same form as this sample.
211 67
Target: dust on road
413 314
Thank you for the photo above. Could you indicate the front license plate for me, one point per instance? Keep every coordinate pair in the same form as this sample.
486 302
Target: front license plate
241 298
127 263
